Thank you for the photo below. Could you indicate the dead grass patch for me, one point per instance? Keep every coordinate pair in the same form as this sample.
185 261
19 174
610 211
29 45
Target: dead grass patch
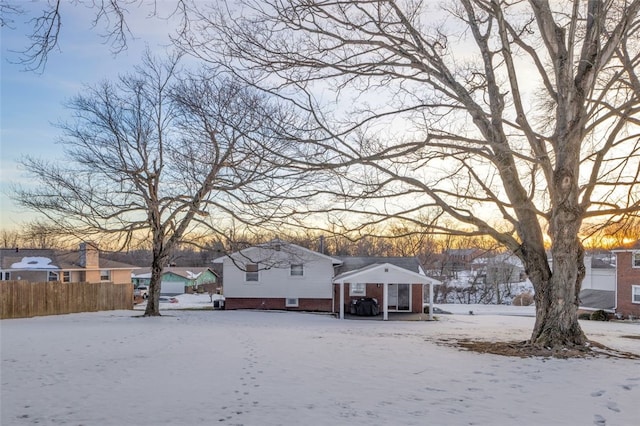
524 349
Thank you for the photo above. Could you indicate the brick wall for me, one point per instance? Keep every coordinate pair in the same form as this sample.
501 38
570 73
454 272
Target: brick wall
309 305
376 291
627 277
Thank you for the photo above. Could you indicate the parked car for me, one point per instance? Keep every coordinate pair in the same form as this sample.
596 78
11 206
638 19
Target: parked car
141 291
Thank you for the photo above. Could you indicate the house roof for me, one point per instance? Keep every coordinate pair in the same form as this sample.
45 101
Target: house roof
384 272
352 263
50 260
629 247
190 273
600 264
277 245
597 299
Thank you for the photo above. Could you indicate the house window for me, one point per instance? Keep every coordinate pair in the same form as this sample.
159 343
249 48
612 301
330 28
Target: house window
291 303
66 277
251 272
635 259
635 293
105 275
357 289
297 270
5 276
53 276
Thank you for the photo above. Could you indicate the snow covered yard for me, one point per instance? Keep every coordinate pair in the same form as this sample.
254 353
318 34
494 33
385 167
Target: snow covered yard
273 368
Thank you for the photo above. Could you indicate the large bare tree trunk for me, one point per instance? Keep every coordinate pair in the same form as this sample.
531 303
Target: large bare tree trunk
557 300
153 301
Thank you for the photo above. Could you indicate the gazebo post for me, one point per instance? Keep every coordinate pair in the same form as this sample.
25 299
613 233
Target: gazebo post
430 301
385 304
341 299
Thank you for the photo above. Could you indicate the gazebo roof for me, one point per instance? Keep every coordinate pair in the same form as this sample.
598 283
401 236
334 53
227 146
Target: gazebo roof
383 273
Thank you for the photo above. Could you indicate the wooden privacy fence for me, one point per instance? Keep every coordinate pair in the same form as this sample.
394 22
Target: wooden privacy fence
22 299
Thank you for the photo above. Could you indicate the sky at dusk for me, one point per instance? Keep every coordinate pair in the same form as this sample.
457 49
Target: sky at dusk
32 102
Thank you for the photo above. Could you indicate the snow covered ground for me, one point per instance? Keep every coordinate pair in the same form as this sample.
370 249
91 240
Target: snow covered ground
274 368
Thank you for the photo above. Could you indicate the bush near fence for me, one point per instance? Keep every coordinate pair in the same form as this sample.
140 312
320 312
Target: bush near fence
23 299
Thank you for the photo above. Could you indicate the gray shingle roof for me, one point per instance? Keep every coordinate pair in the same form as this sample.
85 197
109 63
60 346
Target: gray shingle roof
352 263
597 299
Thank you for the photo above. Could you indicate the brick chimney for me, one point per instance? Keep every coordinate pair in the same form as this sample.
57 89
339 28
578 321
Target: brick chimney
89 255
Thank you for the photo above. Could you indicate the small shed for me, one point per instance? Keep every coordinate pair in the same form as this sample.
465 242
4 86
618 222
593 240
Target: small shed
385 275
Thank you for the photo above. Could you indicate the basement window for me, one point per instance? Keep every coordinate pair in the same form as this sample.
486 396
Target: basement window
291 302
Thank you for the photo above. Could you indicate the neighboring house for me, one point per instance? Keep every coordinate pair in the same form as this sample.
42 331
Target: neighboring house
628 281
83 265
178 280
598 290
456 260
504 268
280 275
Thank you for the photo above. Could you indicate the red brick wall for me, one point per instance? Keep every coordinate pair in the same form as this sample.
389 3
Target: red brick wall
376 291
314 305
627 277
416 298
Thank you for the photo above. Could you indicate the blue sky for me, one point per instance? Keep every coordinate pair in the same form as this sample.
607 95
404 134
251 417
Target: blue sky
31 103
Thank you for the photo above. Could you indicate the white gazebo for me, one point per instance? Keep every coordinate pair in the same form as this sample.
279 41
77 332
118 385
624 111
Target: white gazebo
385 274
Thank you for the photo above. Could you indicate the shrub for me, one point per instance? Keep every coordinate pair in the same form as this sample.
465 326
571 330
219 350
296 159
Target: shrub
584 316
523 299
599 315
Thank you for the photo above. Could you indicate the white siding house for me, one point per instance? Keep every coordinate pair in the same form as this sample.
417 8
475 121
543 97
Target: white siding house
278 275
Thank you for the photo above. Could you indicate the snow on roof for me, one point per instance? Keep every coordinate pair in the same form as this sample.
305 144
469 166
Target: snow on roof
193 275
34 263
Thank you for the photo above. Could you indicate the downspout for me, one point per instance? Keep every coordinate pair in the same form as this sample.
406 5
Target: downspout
615 293
430 301
385 303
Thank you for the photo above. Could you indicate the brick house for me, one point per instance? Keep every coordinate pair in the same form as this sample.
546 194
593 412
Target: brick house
82 265
628 281
285 276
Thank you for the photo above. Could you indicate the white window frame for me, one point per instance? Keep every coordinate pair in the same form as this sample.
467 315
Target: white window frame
297 270
635 294
5 276
251 276
52 276
357 289
292 302
105 275
635 259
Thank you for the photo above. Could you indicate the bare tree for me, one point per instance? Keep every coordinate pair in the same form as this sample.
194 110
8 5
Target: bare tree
155 157
109 19
515 118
